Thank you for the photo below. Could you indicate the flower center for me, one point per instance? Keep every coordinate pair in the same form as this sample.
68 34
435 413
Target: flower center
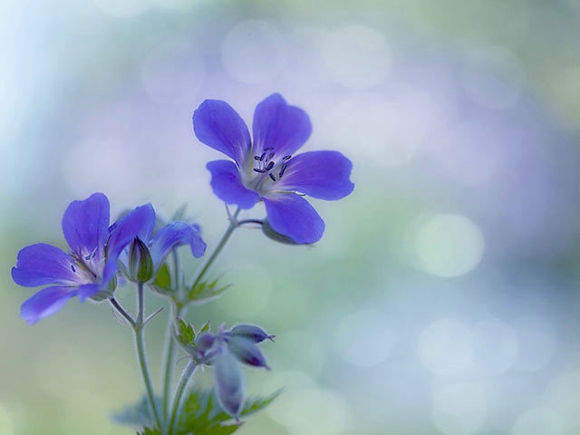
266 165
86 266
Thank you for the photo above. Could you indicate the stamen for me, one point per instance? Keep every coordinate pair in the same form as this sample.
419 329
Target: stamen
72 266
262 156
272 176
260 171
282 170
286 158
270 166
271 155
256 158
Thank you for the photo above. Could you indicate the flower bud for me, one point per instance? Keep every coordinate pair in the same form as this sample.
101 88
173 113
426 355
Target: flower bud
229 384
140 262
251 332
247 352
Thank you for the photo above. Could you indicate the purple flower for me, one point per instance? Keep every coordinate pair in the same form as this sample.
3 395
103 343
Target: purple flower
90 266
265 169
224 350
169 237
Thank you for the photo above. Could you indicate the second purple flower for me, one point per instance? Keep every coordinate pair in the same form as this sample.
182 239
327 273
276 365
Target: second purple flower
266 170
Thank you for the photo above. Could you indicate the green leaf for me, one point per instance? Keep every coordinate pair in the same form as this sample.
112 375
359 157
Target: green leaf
206 291
185 333
162 281
205 327
202 414
149 431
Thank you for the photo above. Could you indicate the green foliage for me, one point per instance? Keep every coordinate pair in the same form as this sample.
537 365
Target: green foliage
205 291
185 333
205 327
162 281
202 414
149 431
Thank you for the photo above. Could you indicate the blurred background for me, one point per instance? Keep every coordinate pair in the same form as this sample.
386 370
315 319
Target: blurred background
443 297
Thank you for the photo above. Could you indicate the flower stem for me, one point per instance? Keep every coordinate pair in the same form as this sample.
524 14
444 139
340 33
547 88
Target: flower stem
169 356
140 343
185 377
233 225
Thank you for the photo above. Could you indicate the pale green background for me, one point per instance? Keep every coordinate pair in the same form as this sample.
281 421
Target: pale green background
443 297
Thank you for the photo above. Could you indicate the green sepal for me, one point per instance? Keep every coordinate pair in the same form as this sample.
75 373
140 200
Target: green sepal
140 261
105 293
206 291
205 327
184 333
202 414
276 236
162 282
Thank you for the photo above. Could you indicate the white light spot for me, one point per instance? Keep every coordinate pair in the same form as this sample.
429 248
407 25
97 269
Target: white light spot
495 346
254 52
448 245
459 408
446 348
363 339
312 410
538 421
357 57
536 343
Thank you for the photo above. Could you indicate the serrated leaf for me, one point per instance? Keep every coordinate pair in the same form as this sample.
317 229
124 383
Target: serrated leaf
185 332
202 414
137 415
206 291
162 281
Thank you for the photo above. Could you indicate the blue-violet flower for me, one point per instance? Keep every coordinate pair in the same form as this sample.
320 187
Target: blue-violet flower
88 270
265 170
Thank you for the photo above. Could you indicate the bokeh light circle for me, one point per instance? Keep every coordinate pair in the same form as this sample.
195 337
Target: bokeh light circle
448 245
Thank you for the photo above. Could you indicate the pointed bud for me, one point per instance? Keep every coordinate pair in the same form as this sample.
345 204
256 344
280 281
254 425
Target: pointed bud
251 332
229 384
140 262
274 235
247 352
206 348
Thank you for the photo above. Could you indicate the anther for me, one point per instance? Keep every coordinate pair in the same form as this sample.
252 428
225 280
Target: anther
271 155
270 166
282 170
72 266
260 171
286 158
272 176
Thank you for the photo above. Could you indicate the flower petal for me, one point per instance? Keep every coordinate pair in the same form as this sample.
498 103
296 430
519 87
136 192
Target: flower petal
139 221
229 384
175 234
320 174
278 125
85 225
87 290
246 351
43 264
227 184
45 303
219 126
292 216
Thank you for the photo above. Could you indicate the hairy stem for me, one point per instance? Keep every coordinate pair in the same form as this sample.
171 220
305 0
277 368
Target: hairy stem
185 377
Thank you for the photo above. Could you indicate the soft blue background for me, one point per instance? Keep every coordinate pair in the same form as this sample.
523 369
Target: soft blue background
444 295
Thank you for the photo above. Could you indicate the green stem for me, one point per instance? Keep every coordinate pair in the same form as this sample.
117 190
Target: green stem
185 377
140 343
169 356
233 225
